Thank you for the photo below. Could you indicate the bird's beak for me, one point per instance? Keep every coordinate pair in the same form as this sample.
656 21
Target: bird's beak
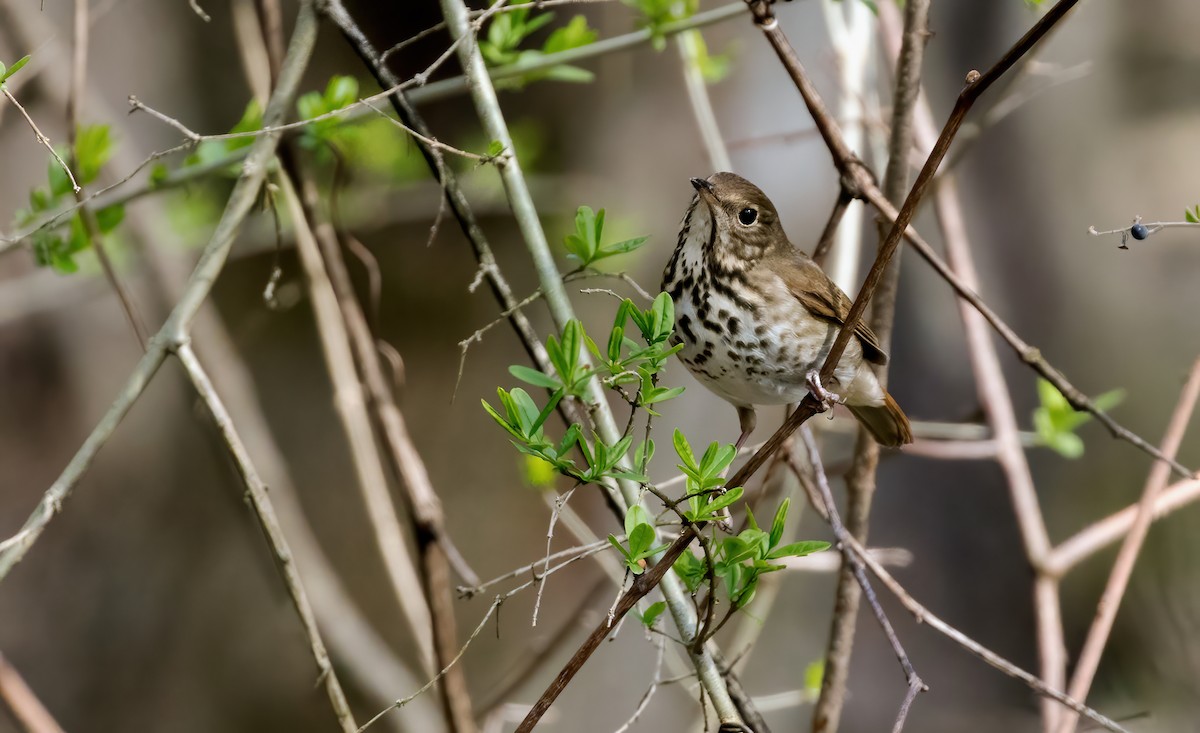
703 187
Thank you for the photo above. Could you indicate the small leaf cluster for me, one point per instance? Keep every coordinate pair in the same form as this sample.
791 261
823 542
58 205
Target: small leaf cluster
509 30
585 244
639 543
524 420
340 92
6 72
655 14
628 363
1193 214
93 148
1056 420
653 611
740 561
706 495
209 152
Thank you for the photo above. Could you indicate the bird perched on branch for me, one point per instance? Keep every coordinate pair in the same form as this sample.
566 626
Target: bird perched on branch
757 317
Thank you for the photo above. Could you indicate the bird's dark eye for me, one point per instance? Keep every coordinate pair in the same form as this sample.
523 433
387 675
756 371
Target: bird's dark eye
748 216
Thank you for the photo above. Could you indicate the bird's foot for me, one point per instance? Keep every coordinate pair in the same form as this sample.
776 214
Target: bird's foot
825 398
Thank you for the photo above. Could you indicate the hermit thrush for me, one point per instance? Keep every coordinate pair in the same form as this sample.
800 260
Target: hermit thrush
757 317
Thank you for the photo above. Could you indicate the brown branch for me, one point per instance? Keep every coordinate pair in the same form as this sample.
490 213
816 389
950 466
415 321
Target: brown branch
642 585
860 481
825 242
423 504
1118 580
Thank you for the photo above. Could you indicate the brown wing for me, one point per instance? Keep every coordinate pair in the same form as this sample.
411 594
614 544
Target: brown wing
824 299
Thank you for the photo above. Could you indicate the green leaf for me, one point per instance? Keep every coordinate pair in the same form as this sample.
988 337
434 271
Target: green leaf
798 549
661 394
612 540
60 184
501 421
1189 216
690 569
342 91
1109 400
723 500
778 523
643 453
684 451
814 675
533 376
653 612
574 34
110 217
5 75
93 148
538 472
640 540
637 515
623 247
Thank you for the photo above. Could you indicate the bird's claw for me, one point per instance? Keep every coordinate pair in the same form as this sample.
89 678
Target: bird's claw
825 398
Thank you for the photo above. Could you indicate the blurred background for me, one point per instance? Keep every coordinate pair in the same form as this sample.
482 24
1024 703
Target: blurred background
152 602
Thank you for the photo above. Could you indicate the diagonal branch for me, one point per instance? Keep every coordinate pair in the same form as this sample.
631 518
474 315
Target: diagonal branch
264 510
1118 580
860 481
174 336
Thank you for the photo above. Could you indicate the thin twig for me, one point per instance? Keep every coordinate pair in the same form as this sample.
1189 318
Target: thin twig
924 616
264 510
829 513
392 87
1118 580
42 139
499 601
91 228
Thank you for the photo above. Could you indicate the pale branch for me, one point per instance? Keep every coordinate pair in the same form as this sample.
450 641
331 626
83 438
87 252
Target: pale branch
23 703
423 504
393 87
350 402
690 45
496 604
264 511
487 106
174 333
1122 571
364 656
924 616
997 402
1108 531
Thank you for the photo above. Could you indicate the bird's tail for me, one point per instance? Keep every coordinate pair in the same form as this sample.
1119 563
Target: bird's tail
887 423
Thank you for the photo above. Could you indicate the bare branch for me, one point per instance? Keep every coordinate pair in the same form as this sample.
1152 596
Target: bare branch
1118 580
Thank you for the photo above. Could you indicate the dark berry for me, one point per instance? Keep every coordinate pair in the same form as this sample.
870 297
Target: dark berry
1139 231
